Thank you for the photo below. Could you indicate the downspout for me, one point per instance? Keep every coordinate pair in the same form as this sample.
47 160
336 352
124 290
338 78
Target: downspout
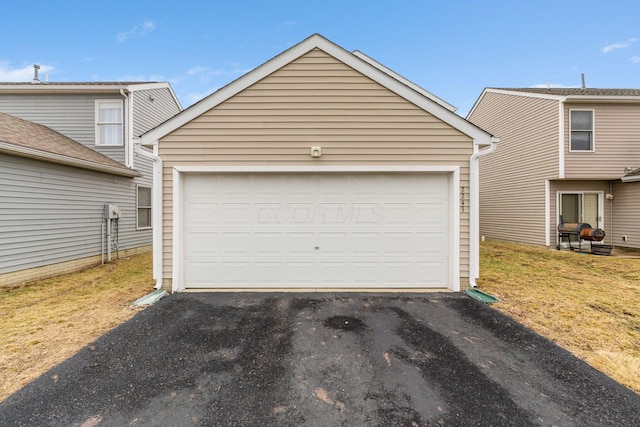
610 213
474 201
156 211
128 147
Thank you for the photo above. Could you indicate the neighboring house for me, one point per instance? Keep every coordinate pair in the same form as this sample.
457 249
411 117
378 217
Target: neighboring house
320 169
66 150
563 152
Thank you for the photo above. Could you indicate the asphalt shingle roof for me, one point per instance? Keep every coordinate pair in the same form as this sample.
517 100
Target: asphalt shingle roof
578 91
75 83
30 135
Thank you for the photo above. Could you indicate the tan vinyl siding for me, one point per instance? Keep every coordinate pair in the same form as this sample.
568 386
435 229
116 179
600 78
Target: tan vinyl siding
314 101
617 140
512 179
626 205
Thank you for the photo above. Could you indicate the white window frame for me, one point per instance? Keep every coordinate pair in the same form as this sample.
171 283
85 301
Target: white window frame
600 195
120 122
149 208
593 131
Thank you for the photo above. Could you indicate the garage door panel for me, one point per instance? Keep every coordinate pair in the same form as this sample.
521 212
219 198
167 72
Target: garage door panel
433 214
321 230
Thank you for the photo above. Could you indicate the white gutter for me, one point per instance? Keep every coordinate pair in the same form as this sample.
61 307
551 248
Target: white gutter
632 178
61 159
156 211
128 123
474 210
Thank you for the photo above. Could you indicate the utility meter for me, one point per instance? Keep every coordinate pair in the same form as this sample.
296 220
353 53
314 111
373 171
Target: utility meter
111 211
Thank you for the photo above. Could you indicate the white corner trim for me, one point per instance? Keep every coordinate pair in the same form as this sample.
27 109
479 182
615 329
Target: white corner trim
561 139
177 278
129 127
454 251
547 214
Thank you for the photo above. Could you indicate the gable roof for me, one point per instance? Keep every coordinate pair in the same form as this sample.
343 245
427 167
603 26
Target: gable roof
367 67
566 94
28 139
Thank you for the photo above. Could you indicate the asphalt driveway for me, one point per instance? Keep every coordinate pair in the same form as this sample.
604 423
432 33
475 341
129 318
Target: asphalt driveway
321 360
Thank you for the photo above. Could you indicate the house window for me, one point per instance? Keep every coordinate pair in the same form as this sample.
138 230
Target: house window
109 128
581 130
143 205
582 207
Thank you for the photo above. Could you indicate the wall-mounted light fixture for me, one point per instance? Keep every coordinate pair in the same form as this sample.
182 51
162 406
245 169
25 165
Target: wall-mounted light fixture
608 196
316 152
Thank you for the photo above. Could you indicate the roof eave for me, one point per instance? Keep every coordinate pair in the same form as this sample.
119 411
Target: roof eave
45 87
603 98
17 150
631 178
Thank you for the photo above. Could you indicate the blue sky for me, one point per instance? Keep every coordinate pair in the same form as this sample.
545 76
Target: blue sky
452 48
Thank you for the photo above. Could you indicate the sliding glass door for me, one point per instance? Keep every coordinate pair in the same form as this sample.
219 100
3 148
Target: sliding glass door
582 207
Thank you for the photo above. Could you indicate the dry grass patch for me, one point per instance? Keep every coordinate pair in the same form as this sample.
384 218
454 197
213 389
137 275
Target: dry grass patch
46 322
589 305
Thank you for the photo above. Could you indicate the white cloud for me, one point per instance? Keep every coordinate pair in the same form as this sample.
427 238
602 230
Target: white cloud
635 59
138 30
203 73
197 70
21 74
193 97
619 45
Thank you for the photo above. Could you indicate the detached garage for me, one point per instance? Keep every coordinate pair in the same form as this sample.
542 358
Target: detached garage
319 170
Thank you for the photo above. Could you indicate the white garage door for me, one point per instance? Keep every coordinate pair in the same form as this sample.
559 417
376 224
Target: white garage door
316 230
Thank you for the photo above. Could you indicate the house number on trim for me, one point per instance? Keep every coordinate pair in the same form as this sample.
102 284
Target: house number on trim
461 199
